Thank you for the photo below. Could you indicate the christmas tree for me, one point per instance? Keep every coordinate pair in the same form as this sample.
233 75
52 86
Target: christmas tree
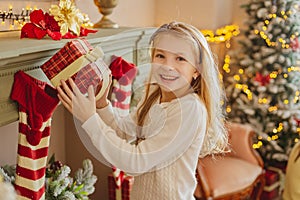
262 81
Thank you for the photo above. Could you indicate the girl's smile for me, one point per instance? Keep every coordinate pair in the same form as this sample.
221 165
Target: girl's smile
168 78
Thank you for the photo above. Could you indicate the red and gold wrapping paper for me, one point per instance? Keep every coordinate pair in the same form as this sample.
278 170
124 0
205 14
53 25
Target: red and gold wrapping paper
274 183
88 75
79 60
271 177
271 195
65 56
122 193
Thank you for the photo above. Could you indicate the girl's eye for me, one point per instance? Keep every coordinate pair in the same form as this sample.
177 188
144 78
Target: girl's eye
159 55
181 58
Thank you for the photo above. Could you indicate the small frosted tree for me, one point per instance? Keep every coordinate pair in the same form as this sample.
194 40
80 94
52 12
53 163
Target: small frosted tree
263 79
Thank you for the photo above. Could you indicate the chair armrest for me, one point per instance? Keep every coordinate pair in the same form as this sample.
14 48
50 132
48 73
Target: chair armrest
240 140
203 187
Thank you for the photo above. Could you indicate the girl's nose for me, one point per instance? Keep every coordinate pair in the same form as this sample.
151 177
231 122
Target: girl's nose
169 64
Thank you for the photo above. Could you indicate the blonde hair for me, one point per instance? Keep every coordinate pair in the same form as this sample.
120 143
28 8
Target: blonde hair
207 86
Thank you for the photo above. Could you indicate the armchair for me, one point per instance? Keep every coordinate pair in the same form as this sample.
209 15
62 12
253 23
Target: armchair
238 174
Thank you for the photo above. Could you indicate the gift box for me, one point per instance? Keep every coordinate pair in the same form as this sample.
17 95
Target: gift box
271 177
270 195
80 61
274 178
121 192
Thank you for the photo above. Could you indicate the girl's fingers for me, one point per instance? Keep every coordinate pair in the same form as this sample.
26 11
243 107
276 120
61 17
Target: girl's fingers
91 93
66 89
63 96
74 87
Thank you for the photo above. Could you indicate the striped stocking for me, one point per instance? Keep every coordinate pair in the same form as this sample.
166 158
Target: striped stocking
37 101
123 74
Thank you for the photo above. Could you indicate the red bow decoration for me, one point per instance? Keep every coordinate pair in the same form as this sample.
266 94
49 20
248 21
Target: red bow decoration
264 80
42 24
295 45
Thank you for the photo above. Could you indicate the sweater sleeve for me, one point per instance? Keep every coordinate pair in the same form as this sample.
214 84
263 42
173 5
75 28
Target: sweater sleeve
181 124
124 126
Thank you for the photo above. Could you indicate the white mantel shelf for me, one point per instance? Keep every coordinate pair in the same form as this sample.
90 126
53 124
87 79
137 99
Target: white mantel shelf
28 54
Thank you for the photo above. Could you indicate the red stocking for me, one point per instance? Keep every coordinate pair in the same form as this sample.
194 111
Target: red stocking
123 74
37 101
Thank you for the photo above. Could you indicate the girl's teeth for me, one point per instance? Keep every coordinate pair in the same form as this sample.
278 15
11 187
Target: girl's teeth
168 77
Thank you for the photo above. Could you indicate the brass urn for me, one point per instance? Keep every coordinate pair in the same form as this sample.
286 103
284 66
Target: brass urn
105 8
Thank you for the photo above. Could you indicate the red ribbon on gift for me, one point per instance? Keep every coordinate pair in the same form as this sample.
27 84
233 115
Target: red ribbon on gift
119 176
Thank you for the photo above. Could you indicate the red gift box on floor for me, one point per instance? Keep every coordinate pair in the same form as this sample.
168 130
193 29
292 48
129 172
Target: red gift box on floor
273 187
122 193
271 177
79 60
271 195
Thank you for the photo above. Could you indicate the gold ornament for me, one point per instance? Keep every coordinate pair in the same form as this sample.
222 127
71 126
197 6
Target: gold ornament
69 18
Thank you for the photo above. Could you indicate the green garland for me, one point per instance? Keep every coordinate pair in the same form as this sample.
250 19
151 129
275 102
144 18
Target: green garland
59 184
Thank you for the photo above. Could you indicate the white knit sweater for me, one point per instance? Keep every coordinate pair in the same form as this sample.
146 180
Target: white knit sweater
164 163
292 179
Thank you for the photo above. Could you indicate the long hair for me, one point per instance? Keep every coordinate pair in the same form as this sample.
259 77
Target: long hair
207 86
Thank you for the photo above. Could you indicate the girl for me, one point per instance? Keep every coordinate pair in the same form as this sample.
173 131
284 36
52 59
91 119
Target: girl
179 118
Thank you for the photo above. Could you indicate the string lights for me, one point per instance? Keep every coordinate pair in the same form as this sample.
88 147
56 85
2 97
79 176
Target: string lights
11 20
222 34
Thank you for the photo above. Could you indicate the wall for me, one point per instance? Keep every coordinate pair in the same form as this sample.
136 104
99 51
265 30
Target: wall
201 13
239 16
8 144
131 13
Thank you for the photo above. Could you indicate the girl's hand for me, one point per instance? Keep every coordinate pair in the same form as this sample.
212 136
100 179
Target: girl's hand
103 101
75 102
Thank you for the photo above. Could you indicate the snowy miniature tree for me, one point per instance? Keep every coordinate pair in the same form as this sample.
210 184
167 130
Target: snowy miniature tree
262 81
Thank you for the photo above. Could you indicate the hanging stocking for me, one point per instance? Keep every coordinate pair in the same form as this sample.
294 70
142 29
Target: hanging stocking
123 73
37 101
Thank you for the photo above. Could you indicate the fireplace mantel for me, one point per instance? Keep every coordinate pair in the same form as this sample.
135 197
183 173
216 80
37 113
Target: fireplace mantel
28 54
